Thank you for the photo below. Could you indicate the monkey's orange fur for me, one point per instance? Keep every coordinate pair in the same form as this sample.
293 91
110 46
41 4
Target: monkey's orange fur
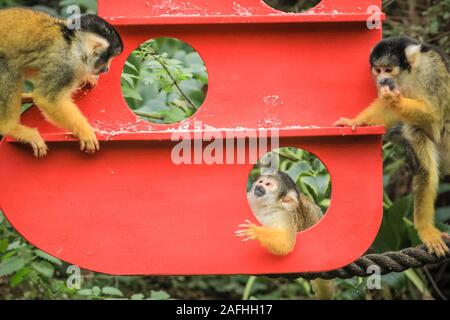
279 242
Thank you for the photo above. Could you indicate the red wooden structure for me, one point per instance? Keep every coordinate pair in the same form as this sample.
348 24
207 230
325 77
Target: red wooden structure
130 210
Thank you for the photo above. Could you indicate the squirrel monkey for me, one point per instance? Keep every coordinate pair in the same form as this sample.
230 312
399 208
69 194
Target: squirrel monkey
413 81
58 60
278 205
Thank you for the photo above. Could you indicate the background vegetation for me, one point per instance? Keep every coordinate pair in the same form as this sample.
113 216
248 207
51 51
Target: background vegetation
164 81
26 272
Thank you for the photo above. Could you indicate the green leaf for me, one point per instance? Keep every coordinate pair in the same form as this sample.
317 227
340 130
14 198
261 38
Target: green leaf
138 296
159 295
131 66
15 245
318 184
96 291
111 291
13 264
44 268
85 292
443 214
393 227
394 280
20 276
298 168
174 114
49 258
131 93
4 245
416 280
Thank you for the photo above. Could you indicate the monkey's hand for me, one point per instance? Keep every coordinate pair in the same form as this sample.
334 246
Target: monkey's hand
345 122
248 232
279 242
89 142
89 82
432 238
32 137
392 97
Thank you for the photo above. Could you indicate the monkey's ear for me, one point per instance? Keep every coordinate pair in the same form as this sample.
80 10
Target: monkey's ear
413 54
93 43
290 200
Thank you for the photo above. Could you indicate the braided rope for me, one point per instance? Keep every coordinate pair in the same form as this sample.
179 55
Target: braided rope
395 261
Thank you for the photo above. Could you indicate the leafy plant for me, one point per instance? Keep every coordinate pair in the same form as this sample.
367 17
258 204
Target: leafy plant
164 81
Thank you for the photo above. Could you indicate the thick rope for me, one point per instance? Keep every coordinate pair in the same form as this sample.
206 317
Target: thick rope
397 261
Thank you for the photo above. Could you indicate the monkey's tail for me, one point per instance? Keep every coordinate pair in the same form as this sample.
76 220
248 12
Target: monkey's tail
323 289
396 136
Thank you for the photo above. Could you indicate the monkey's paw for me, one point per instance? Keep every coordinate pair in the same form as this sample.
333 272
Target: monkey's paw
247 231
432 238
345 122
89 83
40 149
89 143
391 96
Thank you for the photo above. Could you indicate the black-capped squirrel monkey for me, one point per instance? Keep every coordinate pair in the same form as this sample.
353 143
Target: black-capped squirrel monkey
58 59
282 210
413 81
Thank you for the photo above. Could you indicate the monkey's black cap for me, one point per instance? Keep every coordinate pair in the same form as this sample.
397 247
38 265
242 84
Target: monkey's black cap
393 50
94 24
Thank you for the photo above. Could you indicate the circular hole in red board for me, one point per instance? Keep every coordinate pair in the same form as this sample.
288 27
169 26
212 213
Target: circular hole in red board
285 173
295 6
164 81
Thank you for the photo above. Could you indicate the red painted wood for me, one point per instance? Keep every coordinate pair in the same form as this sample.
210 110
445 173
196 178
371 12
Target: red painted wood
143 12
130 210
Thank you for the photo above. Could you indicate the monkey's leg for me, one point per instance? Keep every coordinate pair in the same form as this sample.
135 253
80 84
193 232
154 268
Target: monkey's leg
279 242
425 185
323 289
65 114
10 102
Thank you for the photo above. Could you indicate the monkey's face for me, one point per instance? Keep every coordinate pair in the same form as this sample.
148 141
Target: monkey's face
101 60
385 74
275 191
266 190
392 58
99 54
102 64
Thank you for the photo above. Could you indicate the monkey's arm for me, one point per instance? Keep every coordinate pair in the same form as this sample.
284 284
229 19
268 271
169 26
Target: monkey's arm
376 114
415 112
277 241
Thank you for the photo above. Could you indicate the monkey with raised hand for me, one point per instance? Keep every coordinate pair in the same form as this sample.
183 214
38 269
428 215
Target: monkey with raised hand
58 59
283 211
413 81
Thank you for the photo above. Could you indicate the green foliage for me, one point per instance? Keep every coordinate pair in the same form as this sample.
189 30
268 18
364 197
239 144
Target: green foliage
428 20
164 81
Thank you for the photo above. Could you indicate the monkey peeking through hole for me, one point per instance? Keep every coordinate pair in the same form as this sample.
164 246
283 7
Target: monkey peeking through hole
282 210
